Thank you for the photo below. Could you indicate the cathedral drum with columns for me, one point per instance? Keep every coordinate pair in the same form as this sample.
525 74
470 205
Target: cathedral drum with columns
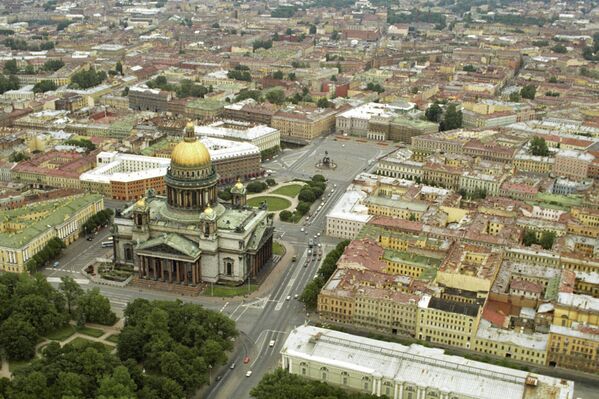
188 237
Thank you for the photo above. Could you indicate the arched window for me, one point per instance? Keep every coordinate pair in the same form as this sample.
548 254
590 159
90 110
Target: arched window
388 388
229 266
304 368
344 378
366 383
324 373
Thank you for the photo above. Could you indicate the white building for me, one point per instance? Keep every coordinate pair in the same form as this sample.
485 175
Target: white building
355 121
261 136
408 372
348 216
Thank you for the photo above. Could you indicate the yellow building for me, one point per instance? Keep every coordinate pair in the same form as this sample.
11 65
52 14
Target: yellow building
571 309
410 264
303 125
469 267
576 347
447 322
587 222
526 347
25 231
391 206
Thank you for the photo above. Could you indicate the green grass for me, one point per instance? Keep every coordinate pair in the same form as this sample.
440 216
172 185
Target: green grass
62 333
225 291
274 203
278 249
92 332
114 338
14 365
79 341
291 190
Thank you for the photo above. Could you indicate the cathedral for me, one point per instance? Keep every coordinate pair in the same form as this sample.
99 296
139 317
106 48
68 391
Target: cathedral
188 237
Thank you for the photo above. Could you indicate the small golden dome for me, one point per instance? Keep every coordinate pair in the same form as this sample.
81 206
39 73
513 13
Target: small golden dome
189 125
190 153
141 202
239 184
209 211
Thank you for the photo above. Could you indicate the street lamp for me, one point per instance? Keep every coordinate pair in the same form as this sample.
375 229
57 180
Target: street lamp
209 374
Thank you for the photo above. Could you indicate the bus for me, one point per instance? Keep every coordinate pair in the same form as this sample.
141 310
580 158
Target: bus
106 244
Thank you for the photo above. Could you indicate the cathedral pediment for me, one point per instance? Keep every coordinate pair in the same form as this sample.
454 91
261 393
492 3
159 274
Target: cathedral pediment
170 244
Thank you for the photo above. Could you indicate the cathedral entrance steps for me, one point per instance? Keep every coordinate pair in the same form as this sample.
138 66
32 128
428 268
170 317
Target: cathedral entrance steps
167 287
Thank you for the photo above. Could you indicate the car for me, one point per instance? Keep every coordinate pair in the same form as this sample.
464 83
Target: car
318 234
249 373
302 229
232 366
271 343
335 185
295 296
309 252
318 245
305 232
342 145
56 264
316 275
288 297
219 377
246 360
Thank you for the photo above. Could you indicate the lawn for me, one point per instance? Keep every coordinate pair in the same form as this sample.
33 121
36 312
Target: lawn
225 291
278 249
81 341
62 333
92 332
274 203
114 338
291 190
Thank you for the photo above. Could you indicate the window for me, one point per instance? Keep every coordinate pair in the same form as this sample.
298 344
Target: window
323 373
344 378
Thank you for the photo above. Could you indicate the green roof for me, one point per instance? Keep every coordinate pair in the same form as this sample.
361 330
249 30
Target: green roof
206 104
175 241
54 213
410 258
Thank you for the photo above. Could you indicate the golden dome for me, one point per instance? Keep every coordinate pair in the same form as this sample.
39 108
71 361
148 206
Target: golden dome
190 153
239 184
141 203
209 211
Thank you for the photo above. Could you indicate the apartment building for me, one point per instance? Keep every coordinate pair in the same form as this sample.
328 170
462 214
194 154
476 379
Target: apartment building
302 125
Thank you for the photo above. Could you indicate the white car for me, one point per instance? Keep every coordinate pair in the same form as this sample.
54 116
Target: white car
302 229
271 343
249 373
288 297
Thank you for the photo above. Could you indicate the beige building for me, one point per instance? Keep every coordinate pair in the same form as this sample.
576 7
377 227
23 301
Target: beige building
572 164
300 126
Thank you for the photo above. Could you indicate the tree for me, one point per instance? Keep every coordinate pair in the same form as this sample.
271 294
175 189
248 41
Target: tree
275 96
303 208
469 68
118 385
256 187
335 35
258 44
17 156
285 216
452 119
29 70
18 338
10 67
547 239
52 65
247 93
96 308
85 79
291 76
44 86
71 290
319 178
216 25
323 102
538 147
529 238
119 68
277 75
271 182
312 30
433 112
553 79
375 87
306 195
515 97
559 48
528 92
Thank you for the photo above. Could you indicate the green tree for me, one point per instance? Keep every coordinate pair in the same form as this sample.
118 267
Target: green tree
529 238
335 35
469 68
306 195
52 65
528 92
452 118
275 96
559 48
277 75
319 178
71 290
303 208
433 112
285 216
17 338
515 97
44 86
247 93
312 30
291 76
547 239
96 308
119 68
256 187
10 67
85 79
323 102
538 147
17 156
118 385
